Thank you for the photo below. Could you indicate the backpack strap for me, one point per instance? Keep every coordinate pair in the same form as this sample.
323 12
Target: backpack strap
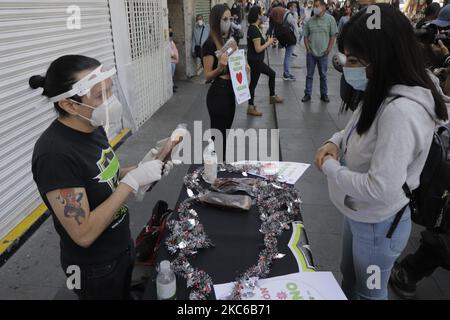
286 17
441 130
201 35
394 224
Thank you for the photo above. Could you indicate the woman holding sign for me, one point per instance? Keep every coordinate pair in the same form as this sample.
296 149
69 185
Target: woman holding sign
220 99
256 48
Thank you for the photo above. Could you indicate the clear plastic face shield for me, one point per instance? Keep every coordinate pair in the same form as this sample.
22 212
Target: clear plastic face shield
101 91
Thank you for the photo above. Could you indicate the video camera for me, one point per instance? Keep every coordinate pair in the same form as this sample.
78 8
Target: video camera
429 34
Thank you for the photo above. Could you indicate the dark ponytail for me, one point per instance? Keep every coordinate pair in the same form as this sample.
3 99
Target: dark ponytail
61 75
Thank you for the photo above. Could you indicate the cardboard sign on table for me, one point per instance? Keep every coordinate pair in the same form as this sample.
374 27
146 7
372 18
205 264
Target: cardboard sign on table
294 286
288 172
237 63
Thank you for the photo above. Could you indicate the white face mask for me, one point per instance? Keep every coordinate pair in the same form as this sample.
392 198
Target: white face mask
110 109
200 23
225 27
317 11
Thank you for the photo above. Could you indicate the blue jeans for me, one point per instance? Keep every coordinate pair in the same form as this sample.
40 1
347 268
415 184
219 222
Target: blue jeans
364 245
287 60
173 67
322 65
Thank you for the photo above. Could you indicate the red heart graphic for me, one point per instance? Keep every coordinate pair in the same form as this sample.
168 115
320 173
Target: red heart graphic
239 77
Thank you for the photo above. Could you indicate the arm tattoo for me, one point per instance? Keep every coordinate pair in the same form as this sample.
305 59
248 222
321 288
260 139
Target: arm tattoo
72 204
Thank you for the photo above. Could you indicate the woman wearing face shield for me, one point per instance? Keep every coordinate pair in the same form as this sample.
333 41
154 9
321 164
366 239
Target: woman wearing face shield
220 99
80 180
384 145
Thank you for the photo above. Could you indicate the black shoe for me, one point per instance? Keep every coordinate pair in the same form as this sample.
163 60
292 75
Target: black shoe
306 98
294 55
399 282
325 98
175 87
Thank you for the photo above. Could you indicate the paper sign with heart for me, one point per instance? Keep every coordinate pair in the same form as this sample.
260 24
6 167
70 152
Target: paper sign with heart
236 63
239 77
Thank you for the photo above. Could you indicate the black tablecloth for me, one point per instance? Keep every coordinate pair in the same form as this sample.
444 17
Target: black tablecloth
237 243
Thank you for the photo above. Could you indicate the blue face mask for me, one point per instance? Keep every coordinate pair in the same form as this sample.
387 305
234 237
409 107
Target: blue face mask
356 77
317 12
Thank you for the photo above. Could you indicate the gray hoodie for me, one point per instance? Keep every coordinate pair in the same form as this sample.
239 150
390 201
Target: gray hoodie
368 187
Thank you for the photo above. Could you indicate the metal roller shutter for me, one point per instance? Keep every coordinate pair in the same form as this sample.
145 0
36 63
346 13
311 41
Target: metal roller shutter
149 69
32 34
203 7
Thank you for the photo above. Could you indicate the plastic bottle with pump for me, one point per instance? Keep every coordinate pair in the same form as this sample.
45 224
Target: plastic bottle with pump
166 282
210 163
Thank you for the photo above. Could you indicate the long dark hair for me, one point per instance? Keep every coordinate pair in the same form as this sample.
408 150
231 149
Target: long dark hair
214 20
61 75
394 56
253 14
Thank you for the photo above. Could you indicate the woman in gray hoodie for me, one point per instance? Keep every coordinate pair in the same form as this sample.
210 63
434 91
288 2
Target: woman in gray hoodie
384 145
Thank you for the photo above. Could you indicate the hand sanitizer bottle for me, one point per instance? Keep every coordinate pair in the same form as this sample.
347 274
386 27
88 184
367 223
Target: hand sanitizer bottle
210 162
166 283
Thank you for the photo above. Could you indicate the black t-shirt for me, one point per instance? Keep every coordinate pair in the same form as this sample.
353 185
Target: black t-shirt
209 49
253 32
67 158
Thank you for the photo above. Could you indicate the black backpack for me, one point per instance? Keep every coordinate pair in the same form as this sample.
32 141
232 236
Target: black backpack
284 34
430 202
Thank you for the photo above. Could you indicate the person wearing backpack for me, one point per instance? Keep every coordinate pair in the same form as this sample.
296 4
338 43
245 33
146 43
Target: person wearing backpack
384 145
434 248
286 32
320 35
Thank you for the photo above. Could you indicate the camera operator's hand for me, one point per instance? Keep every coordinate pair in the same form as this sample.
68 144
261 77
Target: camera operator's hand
439 49
444 79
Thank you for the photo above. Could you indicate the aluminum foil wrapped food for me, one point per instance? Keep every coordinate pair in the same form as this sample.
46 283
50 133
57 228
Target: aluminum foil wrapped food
226 201
233 185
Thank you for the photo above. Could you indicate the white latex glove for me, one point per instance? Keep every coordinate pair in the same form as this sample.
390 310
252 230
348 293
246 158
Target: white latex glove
151 155
145 174
169 166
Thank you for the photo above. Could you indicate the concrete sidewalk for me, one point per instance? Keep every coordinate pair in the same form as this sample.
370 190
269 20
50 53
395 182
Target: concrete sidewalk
34 271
